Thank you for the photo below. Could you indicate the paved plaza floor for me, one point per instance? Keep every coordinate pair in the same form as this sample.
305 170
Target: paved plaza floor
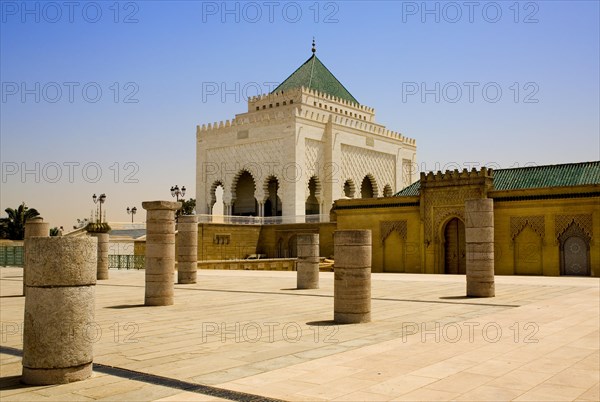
250 335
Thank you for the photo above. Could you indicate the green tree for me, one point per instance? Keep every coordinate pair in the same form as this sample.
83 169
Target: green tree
13 226
188 207
54 231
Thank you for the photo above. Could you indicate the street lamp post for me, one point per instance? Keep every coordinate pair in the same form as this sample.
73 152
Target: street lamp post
101 199
131 211
176 192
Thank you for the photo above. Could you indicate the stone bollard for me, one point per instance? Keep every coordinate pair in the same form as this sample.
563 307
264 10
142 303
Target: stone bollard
59 329
187 249
34 227
352 276
308 261
479 238
160 252
102 269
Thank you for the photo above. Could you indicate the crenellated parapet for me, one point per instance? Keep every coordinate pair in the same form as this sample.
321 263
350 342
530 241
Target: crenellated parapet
245 120
274 100
309 104
456 174
318 99
483 176
323 107
376 129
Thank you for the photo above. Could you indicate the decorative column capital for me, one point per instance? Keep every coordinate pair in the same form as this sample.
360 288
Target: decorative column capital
169 205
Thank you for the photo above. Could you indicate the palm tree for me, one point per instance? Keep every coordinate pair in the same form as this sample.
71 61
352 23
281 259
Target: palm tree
13 226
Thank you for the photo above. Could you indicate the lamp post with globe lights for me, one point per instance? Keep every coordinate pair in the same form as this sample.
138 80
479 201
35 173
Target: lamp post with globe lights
101 200
131 211
176 192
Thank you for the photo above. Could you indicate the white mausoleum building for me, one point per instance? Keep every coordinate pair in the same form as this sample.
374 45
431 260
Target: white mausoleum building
298 149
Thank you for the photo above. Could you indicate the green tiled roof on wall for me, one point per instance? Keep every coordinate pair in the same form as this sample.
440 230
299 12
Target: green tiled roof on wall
565 175
314 75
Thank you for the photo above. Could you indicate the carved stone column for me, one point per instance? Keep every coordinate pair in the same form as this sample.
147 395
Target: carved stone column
34 227
308 261
187 249
160 252
59 328
103 241
352 276
479 238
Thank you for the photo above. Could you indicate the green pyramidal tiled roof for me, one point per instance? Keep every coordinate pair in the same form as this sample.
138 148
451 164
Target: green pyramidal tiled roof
566 175
314 75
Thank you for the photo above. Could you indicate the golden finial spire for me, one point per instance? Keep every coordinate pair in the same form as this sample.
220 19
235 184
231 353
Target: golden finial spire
314 48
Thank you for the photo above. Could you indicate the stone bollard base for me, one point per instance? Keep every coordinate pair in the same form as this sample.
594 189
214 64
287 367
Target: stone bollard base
159 301
351 318
307 274
481 289
186 278
33 376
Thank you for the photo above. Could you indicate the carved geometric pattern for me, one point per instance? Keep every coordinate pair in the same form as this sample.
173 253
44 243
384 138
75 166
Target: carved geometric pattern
518 223
258 158
443 213
573 230
442 203
313 157
359 162
387 227
562 222
407 172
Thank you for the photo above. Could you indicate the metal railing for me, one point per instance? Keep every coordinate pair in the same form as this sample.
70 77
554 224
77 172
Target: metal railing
260 220
11 256
126 261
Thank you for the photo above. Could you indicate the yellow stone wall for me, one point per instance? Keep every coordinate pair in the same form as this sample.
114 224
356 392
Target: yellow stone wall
394 252
226 242
534 250
537 242
525 233
139 247
277 264
271 234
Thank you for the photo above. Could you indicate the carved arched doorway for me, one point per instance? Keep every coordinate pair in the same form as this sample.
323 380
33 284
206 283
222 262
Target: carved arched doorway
244 187
273 202
574 252
455 252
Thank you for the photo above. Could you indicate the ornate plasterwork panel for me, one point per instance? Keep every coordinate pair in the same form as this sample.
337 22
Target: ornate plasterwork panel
314 158
359 162
518 223
562 222
261 159
407 172
387 227
443 203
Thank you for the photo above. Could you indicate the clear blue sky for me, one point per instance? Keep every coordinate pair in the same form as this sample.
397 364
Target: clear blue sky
165 55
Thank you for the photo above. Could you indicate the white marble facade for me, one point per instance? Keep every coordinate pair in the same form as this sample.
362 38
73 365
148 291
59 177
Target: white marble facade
295 152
